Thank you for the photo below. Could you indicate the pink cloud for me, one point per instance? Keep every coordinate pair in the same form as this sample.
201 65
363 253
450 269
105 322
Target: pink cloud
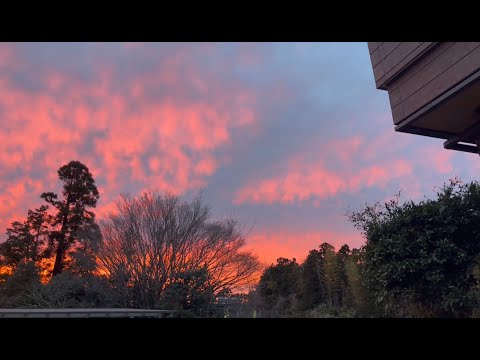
305 178
123 135
439 158
141 118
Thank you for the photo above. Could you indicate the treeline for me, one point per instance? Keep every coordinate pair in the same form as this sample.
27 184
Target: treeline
154 251
419 260
326 284
159 251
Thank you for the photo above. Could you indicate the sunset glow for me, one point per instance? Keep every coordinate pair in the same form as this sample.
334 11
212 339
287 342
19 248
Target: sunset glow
282 137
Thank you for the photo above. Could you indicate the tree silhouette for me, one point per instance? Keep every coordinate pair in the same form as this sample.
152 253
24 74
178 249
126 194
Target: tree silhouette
26 240
79 192
279 284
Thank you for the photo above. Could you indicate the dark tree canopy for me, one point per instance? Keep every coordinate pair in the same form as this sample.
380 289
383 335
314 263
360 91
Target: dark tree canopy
79 193
324 277
26 241
311 290
192 294
327 283
420 258
278 285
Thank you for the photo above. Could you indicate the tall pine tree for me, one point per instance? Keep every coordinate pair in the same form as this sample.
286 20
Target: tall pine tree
79 193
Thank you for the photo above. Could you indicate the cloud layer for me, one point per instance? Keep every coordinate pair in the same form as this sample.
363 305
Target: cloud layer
282 136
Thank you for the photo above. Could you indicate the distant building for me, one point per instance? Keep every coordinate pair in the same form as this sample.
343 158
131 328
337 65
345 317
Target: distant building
434 89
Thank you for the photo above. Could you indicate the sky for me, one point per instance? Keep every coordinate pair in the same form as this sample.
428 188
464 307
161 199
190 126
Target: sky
283 137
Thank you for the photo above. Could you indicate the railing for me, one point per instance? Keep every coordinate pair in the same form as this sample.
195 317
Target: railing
85 313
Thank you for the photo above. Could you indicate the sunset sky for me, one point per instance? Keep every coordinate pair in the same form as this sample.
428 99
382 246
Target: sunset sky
282 136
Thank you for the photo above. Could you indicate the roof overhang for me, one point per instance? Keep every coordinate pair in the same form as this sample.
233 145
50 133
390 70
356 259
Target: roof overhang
453 116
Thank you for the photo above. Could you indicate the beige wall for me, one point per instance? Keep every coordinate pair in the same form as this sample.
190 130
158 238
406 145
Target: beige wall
416 73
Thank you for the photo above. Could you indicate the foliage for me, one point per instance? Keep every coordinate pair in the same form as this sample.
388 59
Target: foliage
68 291
326 311
419 258
191 294
18 284
79 193
26 242
324 277
278 286
326 284
84 257
60 229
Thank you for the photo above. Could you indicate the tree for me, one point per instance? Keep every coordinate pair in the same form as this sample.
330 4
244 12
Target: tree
341 278
311 293
190 295
18 284
79 193
65 290
331 283
278 286
26 242
153 240
20 254
420 257
84 257
320 278
357 296
328 274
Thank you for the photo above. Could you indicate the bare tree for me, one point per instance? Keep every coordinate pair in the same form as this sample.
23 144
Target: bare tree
151 241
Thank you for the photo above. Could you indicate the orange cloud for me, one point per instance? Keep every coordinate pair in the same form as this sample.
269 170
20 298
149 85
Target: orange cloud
270 245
